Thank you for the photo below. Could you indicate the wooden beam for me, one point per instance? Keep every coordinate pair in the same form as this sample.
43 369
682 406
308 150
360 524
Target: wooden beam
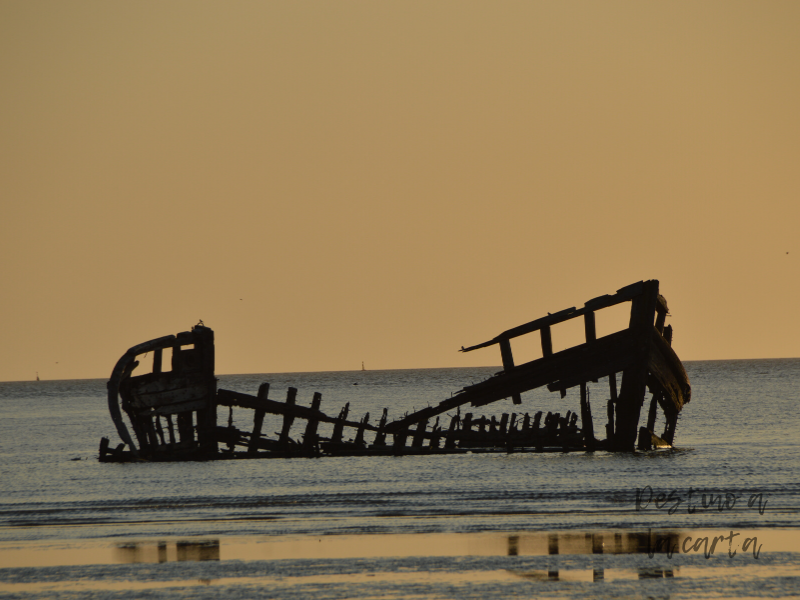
310 435
258 419
547 341
587 424
359 441
608 354
338 427
231 398
508 364
288 417
623 295
589 326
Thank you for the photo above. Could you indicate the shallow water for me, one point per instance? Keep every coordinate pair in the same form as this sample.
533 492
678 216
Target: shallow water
737 436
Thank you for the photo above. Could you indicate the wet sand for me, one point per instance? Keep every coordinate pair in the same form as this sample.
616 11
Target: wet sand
741 563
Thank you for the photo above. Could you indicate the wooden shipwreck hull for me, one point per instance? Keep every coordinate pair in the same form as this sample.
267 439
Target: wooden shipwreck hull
173 414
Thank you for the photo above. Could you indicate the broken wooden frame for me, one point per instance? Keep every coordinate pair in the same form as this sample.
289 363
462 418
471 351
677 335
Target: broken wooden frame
641 354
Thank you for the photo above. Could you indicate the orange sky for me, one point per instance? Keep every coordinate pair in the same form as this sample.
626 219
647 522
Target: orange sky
329 182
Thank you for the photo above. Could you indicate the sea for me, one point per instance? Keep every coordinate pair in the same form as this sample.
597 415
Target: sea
717 516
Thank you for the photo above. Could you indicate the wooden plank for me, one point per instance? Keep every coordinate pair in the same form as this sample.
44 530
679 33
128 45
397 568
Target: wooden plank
508 365
416 441
159 430
182 407
589 326
466 425
310 435
450 439
652 413
157 356
623 295
359 441
185 428
612 386
547 341
586 418
167 397
634 378
258 419
504 423
608 354
171 429
338 427
231 398
536 325
288 417
380 438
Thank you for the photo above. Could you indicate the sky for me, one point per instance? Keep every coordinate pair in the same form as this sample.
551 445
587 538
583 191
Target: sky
326 183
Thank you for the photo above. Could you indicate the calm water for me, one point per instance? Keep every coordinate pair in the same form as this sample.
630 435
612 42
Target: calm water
737 436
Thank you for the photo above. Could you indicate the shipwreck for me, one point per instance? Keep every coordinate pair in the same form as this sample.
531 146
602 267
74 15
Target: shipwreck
172 413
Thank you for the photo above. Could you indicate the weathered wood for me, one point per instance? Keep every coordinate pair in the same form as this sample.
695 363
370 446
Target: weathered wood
258 419
450 438
380 438
666 367
185 427
180 407
504 423
435 435
158 393
661 313
416 441
547 341
103 447
338 427
634 378
623 295
466 426
310 435
537 418
642 353
669 428
159 430
288 417
589 326
612 386
231 398
586 418
359 441
652 414
171 429
508 364
608 354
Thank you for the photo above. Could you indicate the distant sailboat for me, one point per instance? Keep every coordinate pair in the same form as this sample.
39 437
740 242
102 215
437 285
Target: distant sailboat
362 366
37 375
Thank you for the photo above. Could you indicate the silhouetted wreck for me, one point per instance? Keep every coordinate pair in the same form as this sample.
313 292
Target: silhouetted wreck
173 413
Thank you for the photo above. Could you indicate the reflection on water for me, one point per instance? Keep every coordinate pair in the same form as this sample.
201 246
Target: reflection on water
595 575
149 552
630 542
662 543
505 565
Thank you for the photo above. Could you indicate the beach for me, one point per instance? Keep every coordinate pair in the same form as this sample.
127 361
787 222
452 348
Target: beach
717 516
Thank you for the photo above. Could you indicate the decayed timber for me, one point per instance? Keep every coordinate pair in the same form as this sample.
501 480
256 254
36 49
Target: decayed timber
173 414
